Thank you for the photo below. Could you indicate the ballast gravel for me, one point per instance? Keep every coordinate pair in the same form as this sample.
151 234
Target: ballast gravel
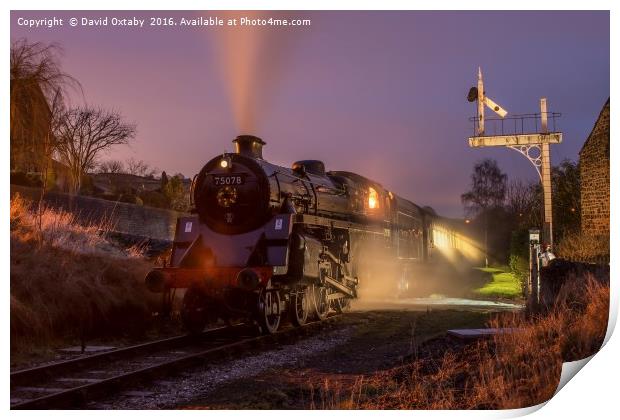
169 392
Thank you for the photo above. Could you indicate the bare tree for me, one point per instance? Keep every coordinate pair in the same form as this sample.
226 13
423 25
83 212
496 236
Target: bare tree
38 85
140 168
523 202
83 133
112 167
488 191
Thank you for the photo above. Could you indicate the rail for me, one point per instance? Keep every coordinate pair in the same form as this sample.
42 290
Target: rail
71 384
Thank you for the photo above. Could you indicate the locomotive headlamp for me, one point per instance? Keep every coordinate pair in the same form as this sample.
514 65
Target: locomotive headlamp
373 198
226 161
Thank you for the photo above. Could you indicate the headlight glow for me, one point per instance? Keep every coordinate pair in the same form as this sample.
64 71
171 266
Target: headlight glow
373 198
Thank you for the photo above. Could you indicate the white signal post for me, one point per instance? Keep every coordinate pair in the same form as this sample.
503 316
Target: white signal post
480 104
545 175
534 146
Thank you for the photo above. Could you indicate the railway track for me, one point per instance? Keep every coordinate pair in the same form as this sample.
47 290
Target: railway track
72 383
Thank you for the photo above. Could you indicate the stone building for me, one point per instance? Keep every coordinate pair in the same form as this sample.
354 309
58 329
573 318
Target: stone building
594 168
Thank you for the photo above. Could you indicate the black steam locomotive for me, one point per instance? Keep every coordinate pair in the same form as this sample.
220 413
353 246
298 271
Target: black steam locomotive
267 241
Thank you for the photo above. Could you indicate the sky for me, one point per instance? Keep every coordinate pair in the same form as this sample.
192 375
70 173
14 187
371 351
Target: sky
379 93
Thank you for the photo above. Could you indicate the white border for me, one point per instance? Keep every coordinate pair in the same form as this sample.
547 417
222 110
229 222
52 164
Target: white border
593 394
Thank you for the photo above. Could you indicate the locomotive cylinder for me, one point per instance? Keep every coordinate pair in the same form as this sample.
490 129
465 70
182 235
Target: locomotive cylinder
156 281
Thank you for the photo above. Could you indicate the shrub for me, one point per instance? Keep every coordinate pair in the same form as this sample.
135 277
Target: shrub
520 267
584 247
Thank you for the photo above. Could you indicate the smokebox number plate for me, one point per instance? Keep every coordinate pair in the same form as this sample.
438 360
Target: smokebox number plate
232 179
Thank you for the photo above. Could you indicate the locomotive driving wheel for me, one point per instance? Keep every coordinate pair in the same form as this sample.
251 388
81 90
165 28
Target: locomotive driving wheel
194 310
341 304
269 311
299 307
320 301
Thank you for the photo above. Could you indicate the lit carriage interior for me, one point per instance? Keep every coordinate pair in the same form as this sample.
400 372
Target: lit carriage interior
455 244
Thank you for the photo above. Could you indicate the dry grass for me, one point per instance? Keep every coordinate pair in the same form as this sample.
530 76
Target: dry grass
59 229
584 248
513 370
68 280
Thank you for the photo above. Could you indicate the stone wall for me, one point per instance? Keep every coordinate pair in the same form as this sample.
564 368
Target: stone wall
125 218
594 167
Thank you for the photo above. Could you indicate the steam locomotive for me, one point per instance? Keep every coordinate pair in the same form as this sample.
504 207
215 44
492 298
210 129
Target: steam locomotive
267 242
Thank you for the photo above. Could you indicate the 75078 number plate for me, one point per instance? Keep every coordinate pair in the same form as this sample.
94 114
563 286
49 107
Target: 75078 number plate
231 179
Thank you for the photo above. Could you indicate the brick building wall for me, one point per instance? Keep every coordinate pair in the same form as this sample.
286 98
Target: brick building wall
594 167
131 219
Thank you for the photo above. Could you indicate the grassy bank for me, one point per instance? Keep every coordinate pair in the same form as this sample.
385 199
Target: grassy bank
69 282
502 283
513 370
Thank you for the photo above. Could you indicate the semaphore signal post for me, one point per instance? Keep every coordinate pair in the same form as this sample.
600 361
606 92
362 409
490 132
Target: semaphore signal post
528 134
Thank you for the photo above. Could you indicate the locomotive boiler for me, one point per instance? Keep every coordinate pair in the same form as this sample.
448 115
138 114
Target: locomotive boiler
267 242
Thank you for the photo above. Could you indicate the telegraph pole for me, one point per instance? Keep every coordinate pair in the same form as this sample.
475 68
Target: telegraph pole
531 143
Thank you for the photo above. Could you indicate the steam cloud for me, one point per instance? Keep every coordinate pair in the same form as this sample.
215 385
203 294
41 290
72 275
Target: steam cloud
252 61
382 281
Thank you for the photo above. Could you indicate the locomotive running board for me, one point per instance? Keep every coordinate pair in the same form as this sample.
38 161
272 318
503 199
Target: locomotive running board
339 224
344 289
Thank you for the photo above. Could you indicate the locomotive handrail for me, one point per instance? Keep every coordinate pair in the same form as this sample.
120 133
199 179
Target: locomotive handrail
340 224
342 191
278 183
316 198
305 200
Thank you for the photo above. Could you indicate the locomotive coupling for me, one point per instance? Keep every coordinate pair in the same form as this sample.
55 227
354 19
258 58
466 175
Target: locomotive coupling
156 281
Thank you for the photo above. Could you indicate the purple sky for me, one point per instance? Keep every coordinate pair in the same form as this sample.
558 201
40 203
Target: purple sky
378 93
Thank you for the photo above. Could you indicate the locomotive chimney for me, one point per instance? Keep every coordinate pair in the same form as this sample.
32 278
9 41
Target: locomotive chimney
250 146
